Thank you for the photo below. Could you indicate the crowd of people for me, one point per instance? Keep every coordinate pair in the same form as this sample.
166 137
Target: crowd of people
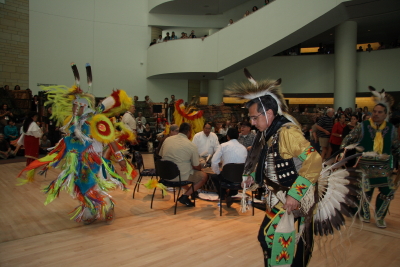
192 34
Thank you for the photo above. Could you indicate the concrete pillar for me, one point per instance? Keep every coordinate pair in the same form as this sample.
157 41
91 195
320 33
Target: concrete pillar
345 65
215 92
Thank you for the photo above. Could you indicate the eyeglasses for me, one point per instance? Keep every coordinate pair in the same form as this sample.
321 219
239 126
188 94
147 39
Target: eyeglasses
254 118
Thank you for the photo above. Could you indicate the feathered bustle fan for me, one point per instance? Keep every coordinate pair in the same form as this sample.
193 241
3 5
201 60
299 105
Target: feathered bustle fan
337 192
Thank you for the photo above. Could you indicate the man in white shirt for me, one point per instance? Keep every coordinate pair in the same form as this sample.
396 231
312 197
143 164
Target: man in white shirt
229 152
141 118
129 119
206 141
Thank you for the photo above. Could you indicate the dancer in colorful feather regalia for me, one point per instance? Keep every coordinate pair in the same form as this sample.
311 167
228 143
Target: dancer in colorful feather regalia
189 114
289 170
86 153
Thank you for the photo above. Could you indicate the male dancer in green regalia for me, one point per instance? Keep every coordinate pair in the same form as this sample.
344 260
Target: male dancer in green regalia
379 136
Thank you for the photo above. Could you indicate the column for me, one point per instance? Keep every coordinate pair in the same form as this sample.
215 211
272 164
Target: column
345 65
215 92
204 89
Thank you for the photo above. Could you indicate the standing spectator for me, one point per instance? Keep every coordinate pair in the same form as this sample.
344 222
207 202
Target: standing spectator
366 112
141 119
223 130
165 107
167 37
324 126
246 136
30 137
135 98
360 49
229 152
173 36
5 149
159 40
369 48
35 104
52 131
246 14
183 35
129 119
255 8
153 42
184 154
313 134
339 112
11 131
337 134
17 87
171 109
266 2
350 126
359 114
148 101
192 35
230 22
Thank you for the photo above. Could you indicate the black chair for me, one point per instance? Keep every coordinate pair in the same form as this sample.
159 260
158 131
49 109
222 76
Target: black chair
231 175
142 171
167 170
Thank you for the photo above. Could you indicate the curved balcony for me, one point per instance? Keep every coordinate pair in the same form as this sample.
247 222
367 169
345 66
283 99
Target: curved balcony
264 33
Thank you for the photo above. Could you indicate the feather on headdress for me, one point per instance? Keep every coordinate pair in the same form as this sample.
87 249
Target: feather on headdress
382 98
259 89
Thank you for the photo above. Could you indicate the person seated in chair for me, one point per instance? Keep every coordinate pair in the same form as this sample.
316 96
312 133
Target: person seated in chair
184 154
5 149
229 152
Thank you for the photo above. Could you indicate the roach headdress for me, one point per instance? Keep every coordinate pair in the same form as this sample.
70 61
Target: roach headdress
382 98
256 89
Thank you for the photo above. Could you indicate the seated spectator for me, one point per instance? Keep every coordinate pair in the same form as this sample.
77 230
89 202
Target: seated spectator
206 141
173 130
17 87
246 136
167 37
184 154
255 8
183 35
6 87
5 148
366 117
173 36
246 14
161 122
369 48
5 115
153 42
141 118
160 39
229 152
192 35
360 49
139 127
148 133
135 98
230 22
266 2
11 131
223 130
366 112
44 144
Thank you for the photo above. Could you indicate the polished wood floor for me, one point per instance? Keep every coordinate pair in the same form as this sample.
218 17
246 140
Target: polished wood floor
32 234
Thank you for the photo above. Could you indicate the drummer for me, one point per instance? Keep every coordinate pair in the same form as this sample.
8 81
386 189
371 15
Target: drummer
229 152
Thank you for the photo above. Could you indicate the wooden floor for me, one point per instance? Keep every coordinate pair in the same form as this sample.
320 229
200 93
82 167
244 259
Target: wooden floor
32 234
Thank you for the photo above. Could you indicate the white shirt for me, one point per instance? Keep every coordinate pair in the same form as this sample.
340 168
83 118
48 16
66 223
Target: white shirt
229 152
159 40
142 119
206 145
129 121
